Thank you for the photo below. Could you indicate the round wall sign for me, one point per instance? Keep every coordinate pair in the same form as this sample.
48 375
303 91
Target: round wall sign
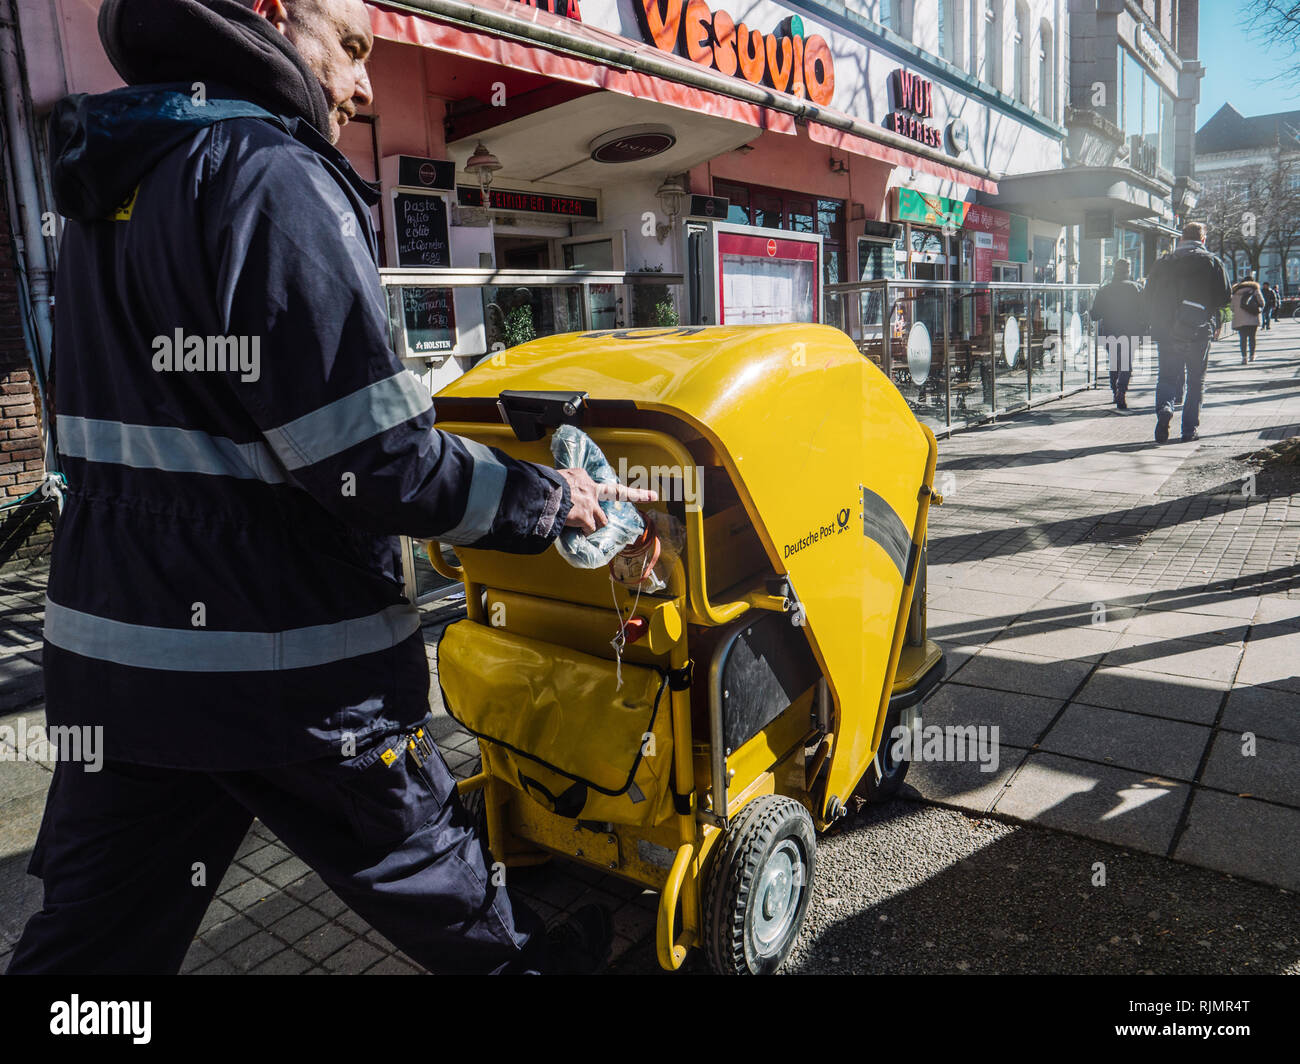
1073 333
771 247
631 144
918 353
1011 341
958 135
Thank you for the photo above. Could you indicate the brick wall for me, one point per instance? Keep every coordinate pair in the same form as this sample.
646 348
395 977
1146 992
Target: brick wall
22 464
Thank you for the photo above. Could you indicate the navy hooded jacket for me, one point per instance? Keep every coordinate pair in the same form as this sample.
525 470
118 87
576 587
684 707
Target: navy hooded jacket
240 442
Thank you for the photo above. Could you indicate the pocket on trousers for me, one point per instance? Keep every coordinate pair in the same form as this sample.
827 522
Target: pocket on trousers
392 797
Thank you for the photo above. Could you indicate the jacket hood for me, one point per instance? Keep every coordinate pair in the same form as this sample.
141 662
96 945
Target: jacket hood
101 146
1246 284
217 41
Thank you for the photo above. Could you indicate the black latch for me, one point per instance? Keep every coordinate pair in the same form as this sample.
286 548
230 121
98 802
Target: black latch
680 679
530 414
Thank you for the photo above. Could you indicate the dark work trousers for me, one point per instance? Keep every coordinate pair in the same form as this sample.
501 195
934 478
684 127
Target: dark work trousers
120 853
1179 363
1246 337
1119 383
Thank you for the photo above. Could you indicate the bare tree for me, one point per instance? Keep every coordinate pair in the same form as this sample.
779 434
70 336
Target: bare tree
1276 24
1223 206
1286 213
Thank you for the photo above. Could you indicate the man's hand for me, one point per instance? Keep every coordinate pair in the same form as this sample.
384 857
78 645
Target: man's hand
586 496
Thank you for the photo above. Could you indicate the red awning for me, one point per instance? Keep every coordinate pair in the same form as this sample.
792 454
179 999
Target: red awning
838 138
424 30
428 32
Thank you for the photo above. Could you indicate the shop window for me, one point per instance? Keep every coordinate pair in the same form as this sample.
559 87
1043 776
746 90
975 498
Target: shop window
897 16
738 197
830 224
766 210
1145 110
589 255
993 43
1046 82
799 216
1167 131
1044 259
1020 42
951 37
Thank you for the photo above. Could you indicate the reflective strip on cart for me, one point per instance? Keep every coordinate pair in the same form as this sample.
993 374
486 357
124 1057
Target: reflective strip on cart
881 524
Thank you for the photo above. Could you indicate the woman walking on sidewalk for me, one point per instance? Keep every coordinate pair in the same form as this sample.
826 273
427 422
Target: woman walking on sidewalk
1247 302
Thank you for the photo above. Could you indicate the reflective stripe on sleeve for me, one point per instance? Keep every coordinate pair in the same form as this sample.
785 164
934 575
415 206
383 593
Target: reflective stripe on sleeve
487 482
346 422
203 650
162 447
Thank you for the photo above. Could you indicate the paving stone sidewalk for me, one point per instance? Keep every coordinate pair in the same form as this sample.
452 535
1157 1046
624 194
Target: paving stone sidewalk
1128 615
1121 618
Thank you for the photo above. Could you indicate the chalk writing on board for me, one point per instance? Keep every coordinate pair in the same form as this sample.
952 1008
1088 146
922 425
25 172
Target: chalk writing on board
421 223
429 317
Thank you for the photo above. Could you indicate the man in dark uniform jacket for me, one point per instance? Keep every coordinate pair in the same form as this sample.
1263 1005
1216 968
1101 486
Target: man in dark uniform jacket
1185 291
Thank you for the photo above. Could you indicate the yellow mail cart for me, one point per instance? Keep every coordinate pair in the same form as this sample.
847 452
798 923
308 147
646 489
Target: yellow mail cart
745 703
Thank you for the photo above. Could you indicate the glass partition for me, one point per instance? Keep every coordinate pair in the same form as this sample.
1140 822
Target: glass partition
515 314
918 359
1013 351
1077 337
993 347
970 361
1046 344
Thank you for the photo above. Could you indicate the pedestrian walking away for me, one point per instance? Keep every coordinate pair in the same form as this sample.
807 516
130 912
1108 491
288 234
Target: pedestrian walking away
1247 308
225 592
1120 312
1271 302
1186 289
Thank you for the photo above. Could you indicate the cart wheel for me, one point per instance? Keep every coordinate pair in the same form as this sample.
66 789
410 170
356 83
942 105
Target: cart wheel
884 776
758 887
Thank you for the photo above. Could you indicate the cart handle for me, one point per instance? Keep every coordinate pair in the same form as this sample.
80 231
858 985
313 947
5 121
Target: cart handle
696 584
440 564
671 949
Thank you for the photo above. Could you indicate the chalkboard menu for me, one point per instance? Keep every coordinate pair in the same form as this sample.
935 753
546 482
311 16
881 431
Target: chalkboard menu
429 319
420 221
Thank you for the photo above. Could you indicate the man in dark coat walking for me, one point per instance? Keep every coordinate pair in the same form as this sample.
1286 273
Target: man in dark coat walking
242 448
1185 291
1120 313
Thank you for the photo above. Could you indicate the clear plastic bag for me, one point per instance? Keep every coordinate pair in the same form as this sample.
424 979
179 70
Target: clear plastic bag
574 449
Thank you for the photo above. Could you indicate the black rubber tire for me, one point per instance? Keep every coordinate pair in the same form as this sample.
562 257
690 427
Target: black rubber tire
771 828
885 775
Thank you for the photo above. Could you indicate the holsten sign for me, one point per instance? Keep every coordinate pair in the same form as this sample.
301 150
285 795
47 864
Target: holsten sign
785 60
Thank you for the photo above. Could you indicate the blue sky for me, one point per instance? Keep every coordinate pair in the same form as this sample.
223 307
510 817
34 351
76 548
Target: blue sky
1236 66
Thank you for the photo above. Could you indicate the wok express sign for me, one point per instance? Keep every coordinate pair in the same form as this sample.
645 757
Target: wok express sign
786 60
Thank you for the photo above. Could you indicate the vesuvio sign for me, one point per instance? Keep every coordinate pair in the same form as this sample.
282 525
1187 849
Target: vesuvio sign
913 103
786 60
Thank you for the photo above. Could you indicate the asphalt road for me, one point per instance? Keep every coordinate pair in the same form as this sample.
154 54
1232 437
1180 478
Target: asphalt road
910 888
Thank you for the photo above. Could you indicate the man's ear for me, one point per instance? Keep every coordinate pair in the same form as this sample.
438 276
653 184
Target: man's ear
273 11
